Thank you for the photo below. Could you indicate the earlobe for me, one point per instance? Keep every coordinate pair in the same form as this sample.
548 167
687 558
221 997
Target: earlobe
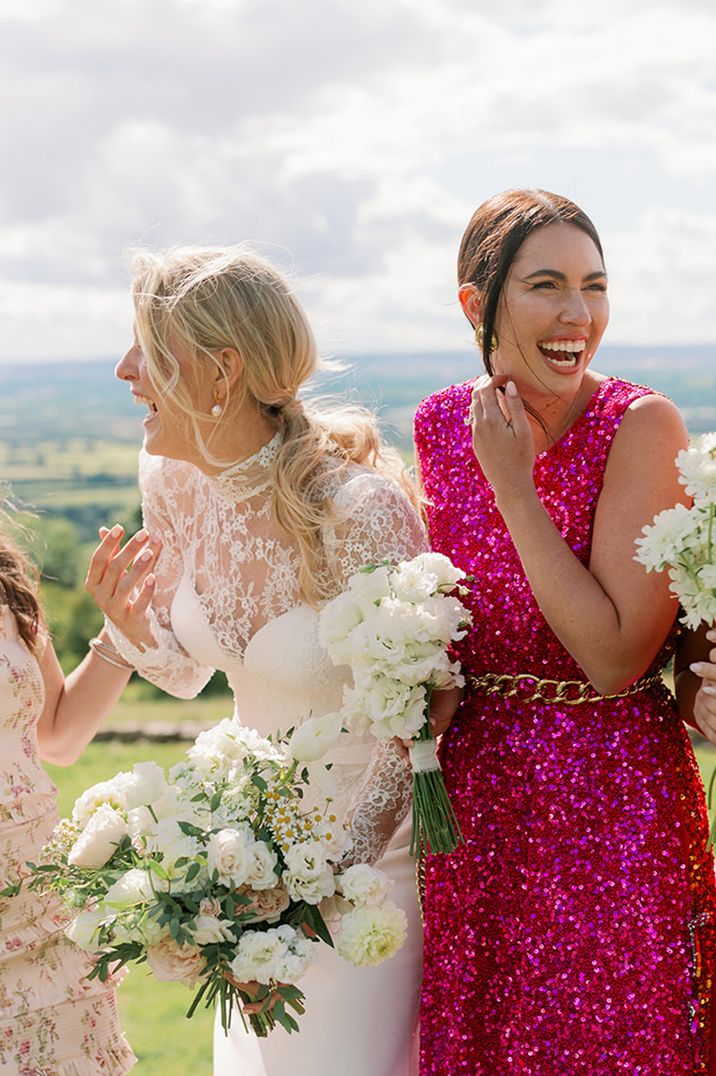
471 302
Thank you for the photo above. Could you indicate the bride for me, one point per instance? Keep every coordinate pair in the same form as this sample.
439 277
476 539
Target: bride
258 508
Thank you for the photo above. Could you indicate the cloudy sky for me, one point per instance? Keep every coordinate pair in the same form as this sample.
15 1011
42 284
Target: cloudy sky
350 140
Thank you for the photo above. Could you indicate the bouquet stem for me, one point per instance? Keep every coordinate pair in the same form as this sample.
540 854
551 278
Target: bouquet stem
435 826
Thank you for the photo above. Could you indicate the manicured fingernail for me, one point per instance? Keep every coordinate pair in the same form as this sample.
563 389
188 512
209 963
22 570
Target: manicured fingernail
709 690
141 535
150 580
103 531
711 636
511 388
145 556
696 667
116 530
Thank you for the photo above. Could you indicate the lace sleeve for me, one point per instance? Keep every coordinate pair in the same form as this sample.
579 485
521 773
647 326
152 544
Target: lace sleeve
376 522
379 804
164 484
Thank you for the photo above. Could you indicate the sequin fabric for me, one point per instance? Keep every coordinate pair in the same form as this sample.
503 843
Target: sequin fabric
573 933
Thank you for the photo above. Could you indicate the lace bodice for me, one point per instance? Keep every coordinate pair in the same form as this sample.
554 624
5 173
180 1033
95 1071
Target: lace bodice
227 597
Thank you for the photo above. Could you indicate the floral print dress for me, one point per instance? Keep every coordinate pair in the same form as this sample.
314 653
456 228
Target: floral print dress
53 1021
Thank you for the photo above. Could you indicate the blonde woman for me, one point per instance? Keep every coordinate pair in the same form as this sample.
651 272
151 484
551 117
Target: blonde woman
52 1018
262 508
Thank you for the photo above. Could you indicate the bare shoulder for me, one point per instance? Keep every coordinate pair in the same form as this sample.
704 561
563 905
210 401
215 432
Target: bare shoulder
651 422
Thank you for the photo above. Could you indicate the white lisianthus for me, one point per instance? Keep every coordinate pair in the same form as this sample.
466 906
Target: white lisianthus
308 875
230 854
172 962
99 839
210 930
312 739
389 707
337 620
438 565
262 874
257 956
362 884
296 958
369 935
697 465
103 792
133 887
169 841
367 588
83 930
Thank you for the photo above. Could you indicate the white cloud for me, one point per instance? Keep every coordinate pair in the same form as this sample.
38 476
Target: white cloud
353 138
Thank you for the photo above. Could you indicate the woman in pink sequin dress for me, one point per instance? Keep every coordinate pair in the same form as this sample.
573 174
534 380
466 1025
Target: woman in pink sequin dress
573 932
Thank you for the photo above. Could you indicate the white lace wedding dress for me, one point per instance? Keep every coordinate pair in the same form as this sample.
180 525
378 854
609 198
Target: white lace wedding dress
228 598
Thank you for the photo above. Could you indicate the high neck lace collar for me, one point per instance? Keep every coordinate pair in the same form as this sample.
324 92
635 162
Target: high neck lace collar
250 476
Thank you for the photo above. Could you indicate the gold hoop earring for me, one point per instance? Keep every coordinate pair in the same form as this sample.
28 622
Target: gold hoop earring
480 338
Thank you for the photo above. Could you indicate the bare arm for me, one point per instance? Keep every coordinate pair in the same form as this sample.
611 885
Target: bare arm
75 706
611 616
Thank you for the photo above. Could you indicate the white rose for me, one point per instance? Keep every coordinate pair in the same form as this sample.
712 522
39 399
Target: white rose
306 860
171 962
144 785
312 739
230 853
99 839
370 935
263 868
210 930
363 884
103 792
133 887
83 930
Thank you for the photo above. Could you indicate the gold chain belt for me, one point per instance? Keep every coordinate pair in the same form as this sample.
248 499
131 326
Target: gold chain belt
530 688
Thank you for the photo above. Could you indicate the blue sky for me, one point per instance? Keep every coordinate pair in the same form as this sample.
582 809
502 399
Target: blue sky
349 140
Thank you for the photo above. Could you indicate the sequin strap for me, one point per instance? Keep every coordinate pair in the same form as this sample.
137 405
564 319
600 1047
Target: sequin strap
530 688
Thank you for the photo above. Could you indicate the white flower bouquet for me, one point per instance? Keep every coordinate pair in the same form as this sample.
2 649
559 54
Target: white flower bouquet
682 539
393 626
225 873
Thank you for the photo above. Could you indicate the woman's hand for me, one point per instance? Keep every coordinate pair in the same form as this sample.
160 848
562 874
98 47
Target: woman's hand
705 700
122 583
501 435
253 989
443 706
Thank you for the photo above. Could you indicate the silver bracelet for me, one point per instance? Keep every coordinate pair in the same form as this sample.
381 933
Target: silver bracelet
109 654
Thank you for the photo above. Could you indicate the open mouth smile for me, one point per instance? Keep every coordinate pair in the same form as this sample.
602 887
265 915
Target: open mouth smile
144 401
562 354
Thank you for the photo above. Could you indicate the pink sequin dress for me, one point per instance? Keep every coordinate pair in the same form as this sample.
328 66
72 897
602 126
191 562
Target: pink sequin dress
573 933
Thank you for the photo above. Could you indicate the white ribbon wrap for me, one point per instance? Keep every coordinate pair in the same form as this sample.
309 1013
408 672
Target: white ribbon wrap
424 756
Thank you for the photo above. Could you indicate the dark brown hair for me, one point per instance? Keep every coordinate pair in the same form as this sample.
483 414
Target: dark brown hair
496 231
18 590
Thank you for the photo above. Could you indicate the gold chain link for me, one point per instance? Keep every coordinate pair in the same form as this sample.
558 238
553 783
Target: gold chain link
530 688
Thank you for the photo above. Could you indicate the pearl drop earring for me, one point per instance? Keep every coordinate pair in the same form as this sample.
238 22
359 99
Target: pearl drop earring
216 410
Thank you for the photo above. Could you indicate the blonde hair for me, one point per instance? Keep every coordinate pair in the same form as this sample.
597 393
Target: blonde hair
207 300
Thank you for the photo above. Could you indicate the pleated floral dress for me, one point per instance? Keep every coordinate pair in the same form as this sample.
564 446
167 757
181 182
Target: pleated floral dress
574 931
53 1021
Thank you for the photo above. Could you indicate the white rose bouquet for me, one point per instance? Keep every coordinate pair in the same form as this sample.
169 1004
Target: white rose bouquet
393 626
225 873
682 539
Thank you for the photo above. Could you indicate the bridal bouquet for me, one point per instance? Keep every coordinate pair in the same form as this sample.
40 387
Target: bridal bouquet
225 873
682 539
393 626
